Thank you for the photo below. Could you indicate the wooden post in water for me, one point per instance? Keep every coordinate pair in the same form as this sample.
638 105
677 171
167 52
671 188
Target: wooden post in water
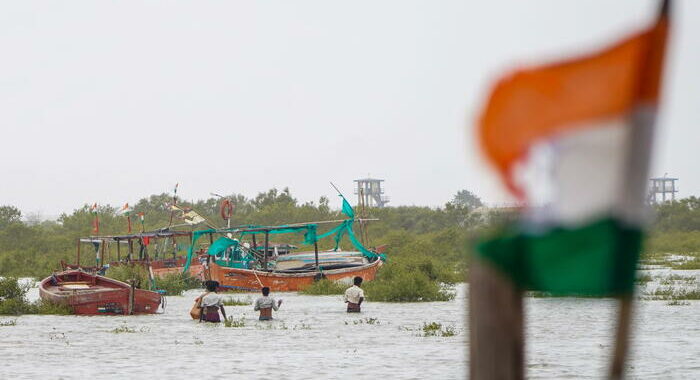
102 253
131 250
132 292
496 337
267 246
316 254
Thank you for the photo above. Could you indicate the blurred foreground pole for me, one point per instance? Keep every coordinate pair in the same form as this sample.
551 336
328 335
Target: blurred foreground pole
496 337
622 338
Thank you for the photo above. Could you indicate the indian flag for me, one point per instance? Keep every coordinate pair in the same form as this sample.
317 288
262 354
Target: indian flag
126 210
587 124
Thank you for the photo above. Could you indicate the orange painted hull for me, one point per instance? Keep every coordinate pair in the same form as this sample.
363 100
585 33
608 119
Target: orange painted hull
247 279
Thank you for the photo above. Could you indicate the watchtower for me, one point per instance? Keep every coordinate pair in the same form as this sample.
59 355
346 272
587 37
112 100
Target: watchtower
664 188
370 192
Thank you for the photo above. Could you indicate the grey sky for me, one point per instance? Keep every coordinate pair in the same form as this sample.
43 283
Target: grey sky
111 101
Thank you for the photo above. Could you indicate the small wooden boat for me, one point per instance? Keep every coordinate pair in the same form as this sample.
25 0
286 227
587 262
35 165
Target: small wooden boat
283 281
90 294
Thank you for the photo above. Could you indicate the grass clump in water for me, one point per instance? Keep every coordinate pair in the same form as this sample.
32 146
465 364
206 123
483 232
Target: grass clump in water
643 278
13 300
417 281
237 302
174 284
231 322
11 322
122 330
324 287
668 293
677 303
436 329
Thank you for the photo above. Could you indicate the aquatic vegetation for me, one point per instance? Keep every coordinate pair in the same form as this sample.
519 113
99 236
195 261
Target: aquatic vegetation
436 329
302 326
324 287
675 278
397 282
368 321
693 263
13 300
174 284
237 301
677 303
52 308
643 278
231 322
11 322
123 329
448 331
672 293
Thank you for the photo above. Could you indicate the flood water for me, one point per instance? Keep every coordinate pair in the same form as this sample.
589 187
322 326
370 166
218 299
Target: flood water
313 337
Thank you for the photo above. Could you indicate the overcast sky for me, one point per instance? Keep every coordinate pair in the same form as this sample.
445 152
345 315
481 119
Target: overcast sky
111 101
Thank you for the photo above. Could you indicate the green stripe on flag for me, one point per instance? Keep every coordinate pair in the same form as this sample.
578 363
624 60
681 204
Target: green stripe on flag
598 259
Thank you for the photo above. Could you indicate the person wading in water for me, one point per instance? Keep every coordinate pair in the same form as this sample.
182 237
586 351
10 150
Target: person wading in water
265 304
354 296
211 303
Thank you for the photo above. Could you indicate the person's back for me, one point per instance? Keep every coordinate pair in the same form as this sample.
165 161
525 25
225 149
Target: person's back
211 303
354 296
266 304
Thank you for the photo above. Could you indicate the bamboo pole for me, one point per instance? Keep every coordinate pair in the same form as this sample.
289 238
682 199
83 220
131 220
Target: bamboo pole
316 254
617 367
496 337
267 246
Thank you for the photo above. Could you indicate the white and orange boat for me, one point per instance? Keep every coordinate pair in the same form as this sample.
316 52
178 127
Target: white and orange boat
245 266
287 280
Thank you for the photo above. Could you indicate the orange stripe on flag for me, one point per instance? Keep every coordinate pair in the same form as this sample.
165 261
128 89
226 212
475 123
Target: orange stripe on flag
537 103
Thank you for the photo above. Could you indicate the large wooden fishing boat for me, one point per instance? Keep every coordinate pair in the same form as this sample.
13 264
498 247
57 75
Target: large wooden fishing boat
91 294
282 281
255 264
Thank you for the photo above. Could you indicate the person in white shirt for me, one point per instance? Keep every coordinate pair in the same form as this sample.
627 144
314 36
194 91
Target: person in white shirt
265 304
354 296
211 303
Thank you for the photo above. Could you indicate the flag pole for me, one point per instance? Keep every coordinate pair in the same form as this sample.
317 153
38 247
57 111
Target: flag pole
496 324
638 157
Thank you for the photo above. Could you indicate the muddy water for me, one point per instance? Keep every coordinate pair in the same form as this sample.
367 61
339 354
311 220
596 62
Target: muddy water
314 338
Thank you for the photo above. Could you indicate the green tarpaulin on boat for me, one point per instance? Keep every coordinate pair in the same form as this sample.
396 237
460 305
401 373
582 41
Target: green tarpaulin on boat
309 231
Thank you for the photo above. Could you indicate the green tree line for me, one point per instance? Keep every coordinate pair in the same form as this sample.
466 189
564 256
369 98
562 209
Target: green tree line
438 240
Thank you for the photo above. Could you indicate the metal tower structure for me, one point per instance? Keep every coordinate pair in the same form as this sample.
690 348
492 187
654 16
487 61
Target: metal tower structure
370 192
662 189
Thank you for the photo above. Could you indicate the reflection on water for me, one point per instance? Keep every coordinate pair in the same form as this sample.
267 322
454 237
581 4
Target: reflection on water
314 338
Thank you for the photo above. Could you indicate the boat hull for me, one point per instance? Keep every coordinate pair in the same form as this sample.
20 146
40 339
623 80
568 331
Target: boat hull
88 294
247 279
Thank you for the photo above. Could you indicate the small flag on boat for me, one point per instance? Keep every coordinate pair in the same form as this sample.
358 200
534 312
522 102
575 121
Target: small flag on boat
189 216
593 119
126 210
95 220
